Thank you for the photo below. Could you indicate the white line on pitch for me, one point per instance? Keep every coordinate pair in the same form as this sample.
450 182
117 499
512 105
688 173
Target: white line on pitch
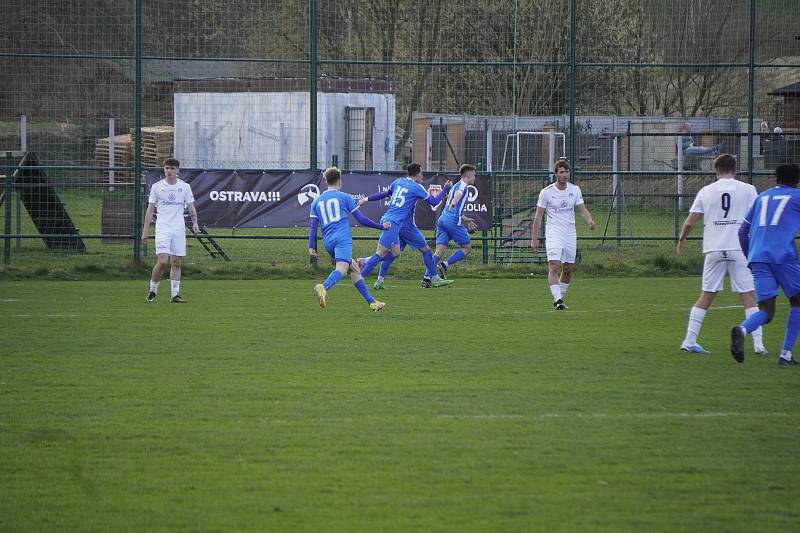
68 315
544 416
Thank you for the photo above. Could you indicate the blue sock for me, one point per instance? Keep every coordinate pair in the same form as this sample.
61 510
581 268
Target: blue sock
333 279
372 262
757 319
385 264
430 266
792 328
363 290
457 256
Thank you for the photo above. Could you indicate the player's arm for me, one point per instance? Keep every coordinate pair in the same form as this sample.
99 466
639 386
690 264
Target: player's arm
375 197
148 218
454 202
312 236
537 228
744 236
193 215
469 222
364 220
586 215
686 229
436 200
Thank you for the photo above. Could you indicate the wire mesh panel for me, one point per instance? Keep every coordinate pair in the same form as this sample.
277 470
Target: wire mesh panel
639 97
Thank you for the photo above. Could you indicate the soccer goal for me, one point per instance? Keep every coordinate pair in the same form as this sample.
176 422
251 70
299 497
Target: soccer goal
554 139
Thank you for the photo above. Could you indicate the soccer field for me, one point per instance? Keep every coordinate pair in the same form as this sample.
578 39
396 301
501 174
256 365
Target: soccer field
473 407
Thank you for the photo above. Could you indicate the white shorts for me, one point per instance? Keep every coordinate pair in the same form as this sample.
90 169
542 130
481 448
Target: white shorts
172 243
733 262
562 249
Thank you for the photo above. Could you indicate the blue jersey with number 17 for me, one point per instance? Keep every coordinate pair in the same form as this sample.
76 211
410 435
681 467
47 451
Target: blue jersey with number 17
331 208
774 222
405 193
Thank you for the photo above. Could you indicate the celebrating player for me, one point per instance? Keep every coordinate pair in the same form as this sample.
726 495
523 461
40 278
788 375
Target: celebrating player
331 207
560 199
168 198
409 235
767 238
723 205
404 193
450 226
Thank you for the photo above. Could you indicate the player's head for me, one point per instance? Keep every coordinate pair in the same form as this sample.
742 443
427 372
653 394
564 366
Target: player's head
467 173
787 175
561 170
171 167
333 176
725 165
685 128
414 171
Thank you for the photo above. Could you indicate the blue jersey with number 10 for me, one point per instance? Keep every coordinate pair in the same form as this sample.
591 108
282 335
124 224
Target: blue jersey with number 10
331 208
774 222
405 193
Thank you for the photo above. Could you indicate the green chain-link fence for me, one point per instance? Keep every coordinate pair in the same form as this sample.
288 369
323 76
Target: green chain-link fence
638 95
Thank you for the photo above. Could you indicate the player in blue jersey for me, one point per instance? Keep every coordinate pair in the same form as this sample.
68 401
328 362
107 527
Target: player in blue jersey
403 195
767 237
330 210
450 226
410 235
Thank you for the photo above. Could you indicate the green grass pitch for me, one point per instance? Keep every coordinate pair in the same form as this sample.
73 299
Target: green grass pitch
475 407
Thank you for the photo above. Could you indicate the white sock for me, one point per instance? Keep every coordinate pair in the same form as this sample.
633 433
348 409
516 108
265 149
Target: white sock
696 316
758 334
786 354
555 290
154 286
380 278
564 287
176 287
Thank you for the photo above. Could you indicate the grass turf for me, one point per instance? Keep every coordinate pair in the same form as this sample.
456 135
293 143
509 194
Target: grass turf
473 407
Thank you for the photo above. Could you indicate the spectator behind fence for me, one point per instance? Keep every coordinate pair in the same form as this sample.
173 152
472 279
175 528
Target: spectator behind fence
763 137
689 148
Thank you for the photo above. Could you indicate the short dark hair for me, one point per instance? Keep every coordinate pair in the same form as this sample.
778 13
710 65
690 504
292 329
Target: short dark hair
788 175
463 169
725 164
332 175
561 163
413 169
171 162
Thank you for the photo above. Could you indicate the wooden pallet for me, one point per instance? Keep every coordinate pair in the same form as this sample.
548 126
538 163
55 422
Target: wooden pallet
156 144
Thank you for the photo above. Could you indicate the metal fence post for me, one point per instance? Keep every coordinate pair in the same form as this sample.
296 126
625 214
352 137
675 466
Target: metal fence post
9 187
751 73
312 6
137 146
573 71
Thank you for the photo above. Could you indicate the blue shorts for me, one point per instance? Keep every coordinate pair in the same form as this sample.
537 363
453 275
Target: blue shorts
390 236
448 231
769 276
411 235
340 249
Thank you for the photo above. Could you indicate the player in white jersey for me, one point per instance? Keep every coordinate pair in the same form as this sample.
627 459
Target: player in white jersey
723 205
168 198
560 200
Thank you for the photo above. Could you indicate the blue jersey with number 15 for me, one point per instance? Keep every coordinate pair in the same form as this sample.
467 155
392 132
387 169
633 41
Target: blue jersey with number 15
331 208
774 222
405 193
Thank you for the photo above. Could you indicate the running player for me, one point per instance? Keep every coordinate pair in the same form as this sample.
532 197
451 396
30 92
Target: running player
767 238
331 208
